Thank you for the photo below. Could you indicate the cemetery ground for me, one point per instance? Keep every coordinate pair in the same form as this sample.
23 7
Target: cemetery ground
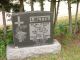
70 43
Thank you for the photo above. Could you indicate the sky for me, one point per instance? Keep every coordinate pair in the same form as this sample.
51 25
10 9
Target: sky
63 9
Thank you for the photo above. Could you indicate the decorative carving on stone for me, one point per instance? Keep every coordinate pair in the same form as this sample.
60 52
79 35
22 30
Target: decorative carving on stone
20 35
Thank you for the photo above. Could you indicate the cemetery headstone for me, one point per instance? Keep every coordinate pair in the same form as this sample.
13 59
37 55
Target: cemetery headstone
32 28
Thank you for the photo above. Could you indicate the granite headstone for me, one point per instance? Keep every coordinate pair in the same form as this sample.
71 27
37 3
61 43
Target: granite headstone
32 28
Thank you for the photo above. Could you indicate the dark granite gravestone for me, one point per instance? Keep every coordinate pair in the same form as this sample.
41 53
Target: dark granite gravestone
32 28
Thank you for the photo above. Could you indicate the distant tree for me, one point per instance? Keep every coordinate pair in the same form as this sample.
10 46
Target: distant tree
54 9
21 6
70 16
16 8
32 4
76 17
56 13
41 4
53 5
74 1
5 6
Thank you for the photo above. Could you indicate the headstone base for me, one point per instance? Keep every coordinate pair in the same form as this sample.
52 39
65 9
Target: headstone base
15 53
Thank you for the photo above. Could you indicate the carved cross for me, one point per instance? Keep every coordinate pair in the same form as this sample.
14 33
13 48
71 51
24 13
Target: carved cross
19 22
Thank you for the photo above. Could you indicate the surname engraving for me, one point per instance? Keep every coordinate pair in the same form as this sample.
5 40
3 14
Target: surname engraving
39 18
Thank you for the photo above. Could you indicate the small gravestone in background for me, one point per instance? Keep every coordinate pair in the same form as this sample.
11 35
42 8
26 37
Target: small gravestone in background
32 28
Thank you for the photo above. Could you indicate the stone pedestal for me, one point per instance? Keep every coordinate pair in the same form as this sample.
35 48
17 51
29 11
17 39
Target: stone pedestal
15 53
